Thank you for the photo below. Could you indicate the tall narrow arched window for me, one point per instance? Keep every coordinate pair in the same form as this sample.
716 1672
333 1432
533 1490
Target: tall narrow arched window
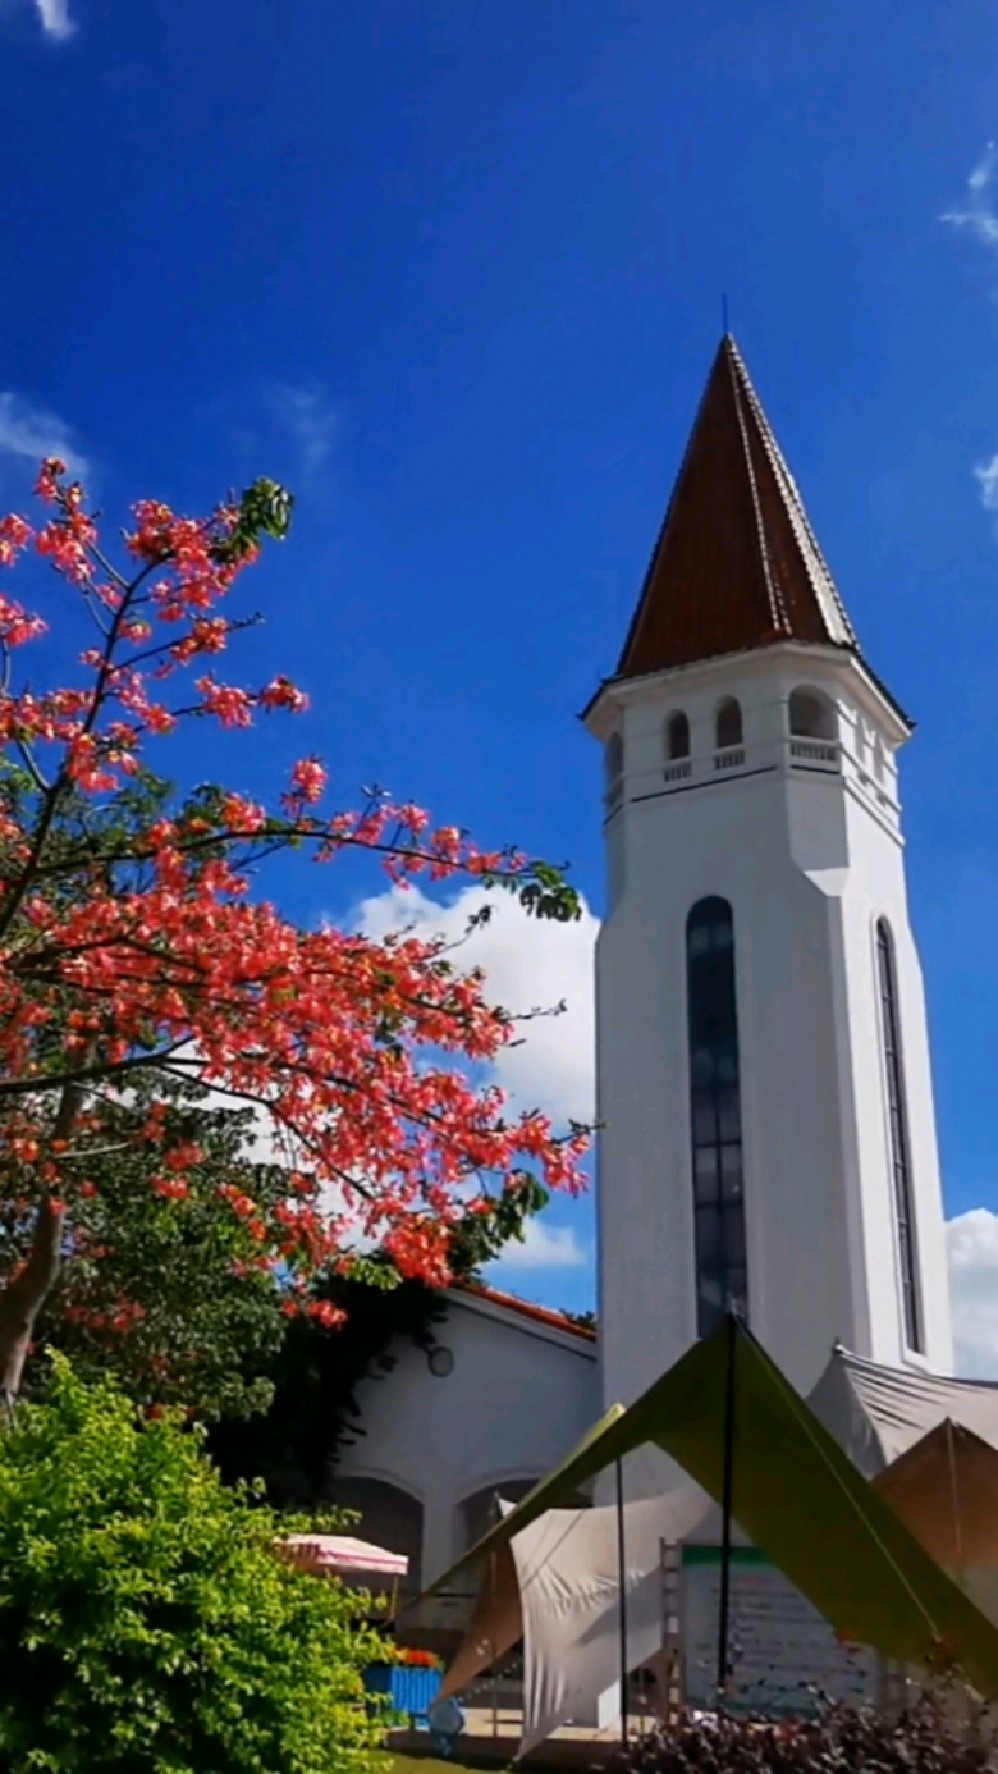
715 1114
677 736
897 1112
728 727
613 765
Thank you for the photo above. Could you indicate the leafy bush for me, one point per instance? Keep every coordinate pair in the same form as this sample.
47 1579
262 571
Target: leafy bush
921 1741
146 1626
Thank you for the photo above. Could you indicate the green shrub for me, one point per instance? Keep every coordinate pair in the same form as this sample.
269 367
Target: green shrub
146 1626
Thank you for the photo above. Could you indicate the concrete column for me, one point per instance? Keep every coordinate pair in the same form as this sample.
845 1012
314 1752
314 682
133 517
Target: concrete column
439 1534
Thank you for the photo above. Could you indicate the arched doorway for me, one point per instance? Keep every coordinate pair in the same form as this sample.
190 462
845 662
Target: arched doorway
389 1516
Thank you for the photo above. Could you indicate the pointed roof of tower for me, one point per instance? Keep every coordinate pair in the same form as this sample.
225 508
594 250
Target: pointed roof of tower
737 564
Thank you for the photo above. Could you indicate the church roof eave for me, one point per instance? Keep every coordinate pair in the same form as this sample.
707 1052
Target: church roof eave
525 1314
632 682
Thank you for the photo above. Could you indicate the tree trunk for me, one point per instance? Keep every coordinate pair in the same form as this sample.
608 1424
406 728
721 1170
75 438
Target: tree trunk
23 1297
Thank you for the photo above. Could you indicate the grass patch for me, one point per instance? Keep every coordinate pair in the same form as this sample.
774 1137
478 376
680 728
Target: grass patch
424 1765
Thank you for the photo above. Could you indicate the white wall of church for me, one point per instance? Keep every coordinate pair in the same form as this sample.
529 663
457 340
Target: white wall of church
808 853
519 1396
878 889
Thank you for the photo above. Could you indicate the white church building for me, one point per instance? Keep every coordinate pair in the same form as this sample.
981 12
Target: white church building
763 1081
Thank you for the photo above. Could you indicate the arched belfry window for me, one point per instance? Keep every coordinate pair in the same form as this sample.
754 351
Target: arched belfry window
677 737
715 1114
613 764
812 716
897 1113
728 724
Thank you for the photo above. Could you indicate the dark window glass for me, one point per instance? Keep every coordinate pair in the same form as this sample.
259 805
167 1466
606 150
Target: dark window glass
699 941
729 723
704 1120
729 1113
613 766
677 736
705 1175
731 1172
900 1150
715 1114
701 1068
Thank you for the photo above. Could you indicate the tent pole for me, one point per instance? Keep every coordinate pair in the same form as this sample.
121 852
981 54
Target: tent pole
622 1582
724 1610
496 1516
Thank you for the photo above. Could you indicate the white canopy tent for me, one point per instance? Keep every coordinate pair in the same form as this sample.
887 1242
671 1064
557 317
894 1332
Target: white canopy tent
878 1413
563 1597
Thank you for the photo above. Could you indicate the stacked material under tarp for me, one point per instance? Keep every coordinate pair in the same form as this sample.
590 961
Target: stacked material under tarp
558 1588
496 1623
946 1489
797 1495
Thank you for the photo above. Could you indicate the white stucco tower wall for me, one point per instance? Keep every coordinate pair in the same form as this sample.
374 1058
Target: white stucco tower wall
808 852
800 833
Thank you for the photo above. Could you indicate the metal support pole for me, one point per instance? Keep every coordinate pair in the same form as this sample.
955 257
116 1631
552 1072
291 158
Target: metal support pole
496 1516
727 1498
622 1581
495 1673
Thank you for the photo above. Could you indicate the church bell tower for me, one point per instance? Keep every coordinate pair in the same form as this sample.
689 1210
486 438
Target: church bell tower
764 1091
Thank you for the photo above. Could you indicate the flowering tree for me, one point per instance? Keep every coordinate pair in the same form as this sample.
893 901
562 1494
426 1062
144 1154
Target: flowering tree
129 943
162 1290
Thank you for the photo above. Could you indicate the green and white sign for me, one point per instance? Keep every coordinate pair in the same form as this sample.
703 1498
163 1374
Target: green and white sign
782 1654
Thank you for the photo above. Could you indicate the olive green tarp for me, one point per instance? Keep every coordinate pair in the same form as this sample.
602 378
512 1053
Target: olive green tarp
795 1494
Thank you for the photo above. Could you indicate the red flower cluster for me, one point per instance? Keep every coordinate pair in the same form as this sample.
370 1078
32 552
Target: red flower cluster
149 952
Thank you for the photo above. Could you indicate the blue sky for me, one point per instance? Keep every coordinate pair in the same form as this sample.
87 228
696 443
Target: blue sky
454 272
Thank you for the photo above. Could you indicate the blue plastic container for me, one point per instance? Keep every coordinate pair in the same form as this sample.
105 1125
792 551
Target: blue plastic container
409 1688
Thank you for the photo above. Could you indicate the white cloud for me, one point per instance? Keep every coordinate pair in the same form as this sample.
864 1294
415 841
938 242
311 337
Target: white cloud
309 422
27 433
543 1247
987 479
977 214
972 1242
281 428
528 964
55 19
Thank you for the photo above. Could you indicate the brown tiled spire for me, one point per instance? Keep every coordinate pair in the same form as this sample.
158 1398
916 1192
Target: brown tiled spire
736 565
